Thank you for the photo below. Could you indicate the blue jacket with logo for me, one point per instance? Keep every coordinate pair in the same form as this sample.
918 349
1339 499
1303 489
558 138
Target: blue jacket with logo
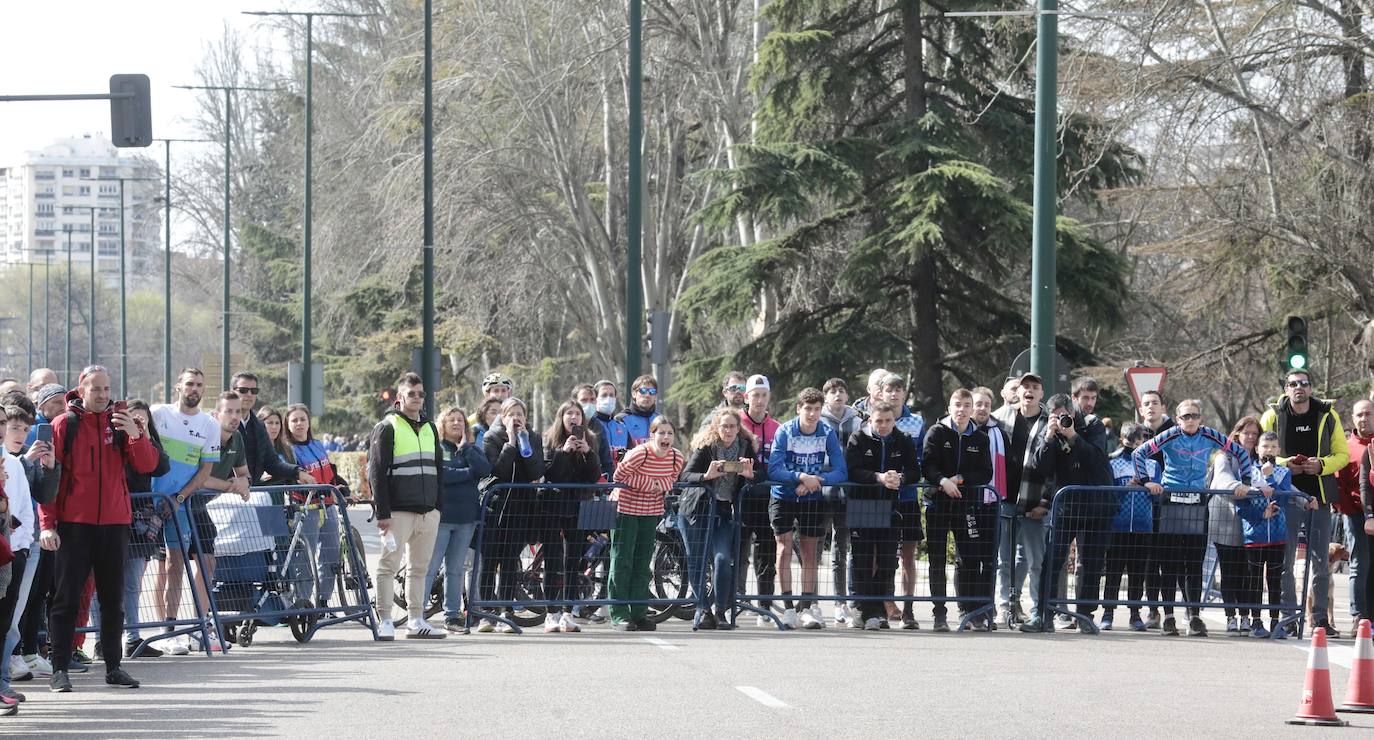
796 452
1187 457
1135 512
1261 532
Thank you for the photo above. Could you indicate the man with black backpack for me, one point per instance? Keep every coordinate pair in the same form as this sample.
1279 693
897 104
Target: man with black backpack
88 524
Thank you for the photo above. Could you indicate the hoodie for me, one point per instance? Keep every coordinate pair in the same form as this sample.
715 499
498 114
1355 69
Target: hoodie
867 455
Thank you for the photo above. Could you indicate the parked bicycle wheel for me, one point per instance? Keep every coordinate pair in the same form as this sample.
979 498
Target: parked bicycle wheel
530 587
670 579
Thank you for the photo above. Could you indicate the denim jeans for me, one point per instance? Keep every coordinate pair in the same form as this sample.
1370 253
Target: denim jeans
451 549
1318 540
706 537
133 584
25 579
1029 563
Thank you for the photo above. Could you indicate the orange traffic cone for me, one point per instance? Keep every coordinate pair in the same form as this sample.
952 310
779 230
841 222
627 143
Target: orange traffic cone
1317 707
1360 696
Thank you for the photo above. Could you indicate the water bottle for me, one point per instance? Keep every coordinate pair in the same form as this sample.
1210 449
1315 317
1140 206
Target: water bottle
389 543
525 450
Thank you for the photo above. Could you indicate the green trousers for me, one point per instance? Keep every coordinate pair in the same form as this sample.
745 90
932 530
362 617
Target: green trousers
632 547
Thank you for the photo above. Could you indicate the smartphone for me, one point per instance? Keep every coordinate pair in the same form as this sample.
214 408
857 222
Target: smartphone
579 431
731 466
119 407
43 433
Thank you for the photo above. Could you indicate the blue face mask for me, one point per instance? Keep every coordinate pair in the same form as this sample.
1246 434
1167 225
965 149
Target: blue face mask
605 405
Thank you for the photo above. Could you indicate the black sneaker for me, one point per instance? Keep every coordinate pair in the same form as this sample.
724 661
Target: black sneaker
148 651
1196 627
723 621
1032 626
1331 632
707 621
59 683
456 625
625 626
883 624
1169 628
941 625
646 625
118 677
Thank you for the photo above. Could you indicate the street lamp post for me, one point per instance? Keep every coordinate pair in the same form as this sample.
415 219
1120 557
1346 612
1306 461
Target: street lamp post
67 333
308 215
228 91
29 345
47 316
123 298
167 266
427 369
634 286
91 313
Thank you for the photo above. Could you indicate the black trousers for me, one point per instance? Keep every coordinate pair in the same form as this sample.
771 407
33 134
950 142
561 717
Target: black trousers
1182 556
1238 584
1266 566
874 555
973 527
40 598
1128 555
10 601
87 548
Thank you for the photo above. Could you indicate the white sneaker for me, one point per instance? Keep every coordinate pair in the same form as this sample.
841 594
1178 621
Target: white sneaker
872 625
566 623
19 668
386 631
177 646
789 618
551 622
421 629
842 613
762 621
856 623
506 628
38 665
816 615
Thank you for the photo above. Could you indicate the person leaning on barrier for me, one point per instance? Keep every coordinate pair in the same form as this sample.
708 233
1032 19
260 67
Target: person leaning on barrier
882 460
516 457
956 462
1182 543
722 464
1133 526
262 457
1227 534
88 524
908 498
645 476
403 468
1021 549
569 457
1064 455
464 465
1360 437
146 539
1312 445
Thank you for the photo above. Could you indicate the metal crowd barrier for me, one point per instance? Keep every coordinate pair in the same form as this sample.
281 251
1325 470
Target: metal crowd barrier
537 550
149 587
877 525
1161 542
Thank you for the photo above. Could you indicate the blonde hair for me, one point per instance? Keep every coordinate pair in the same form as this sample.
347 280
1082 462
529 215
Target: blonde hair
1188 402
710 434
463 415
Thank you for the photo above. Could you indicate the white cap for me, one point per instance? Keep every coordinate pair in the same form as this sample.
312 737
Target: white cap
756 381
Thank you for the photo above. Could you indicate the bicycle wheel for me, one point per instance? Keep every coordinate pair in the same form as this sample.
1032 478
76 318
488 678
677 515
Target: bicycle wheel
399 592
670 580
435 603
530 587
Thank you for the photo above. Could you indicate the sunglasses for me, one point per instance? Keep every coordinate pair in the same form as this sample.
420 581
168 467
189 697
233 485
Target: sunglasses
1299 384
1190 417
252 391
647 391
736 388
414 394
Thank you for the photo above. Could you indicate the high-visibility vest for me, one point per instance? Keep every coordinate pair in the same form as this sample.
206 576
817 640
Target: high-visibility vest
414 472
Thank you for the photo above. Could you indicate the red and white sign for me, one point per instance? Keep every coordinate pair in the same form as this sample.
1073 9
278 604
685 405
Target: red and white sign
1144 379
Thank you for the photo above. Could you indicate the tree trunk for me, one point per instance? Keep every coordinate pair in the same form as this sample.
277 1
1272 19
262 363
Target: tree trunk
926 385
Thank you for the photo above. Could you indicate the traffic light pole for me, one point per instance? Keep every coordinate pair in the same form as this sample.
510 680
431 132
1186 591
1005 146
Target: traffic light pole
634 286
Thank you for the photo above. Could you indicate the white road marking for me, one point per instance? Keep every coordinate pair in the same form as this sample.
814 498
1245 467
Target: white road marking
661 643
762 697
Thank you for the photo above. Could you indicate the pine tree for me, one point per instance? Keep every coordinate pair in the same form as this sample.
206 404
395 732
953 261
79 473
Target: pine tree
896 177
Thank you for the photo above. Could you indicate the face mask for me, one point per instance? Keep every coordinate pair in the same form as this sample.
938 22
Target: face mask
588 410
605 405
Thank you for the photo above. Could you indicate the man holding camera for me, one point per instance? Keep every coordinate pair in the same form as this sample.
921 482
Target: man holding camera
1312 446
1064 456
87 526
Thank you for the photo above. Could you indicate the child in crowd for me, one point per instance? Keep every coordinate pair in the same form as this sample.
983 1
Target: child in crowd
1266 533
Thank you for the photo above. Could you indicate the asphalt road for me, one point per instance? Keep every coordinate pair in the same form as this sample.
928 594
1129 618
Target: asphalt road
751 682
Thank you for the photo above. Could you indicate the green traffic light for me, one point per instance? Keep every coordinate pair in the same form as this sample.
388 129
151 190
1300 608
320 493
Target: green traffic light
1297 362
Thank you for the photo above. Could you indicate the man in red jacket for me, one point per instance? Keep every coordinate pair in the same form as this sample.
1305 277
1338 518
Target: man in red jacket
88 523
1348 479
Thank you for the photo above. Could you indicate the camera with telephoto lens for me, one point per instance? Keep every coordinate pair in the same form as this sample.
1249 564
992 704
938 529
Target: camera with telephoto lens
1065 420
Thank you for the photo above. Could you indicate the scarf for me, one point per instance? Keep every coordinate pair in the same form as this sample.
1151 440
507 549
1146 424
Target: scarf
723 488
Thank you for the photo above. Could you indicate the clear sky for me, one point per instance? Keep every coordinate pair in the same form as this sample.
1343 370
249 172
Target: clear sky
73 46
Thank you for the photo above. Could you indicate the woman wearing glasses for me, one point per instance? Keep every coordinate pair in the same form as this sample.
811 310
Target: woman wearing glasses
1182 543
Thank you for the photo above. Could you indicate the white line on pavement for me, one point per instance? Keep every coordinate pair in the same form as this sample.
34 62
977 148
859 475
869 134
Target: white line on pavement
661 643
762 697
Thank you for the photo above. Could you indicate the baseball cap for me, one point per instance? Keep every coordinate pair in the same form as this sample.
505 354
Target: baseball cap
756 381
1023 377
496 379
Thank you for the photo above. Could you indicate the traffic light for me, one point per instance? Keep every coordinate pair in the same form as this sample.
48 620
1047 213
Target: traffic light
131 118
1295 351
388 396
